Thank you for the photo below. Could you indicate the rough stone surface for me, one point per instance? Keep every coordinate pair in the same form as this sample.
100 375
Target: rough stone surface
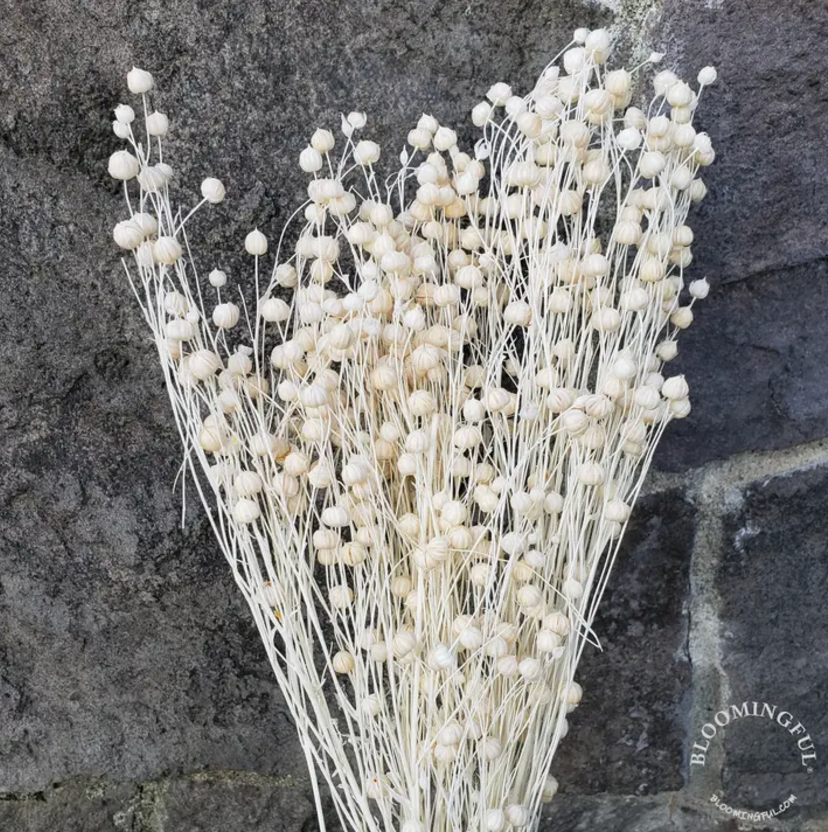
753 357
630 741
774 620
765 212
125 656
754 360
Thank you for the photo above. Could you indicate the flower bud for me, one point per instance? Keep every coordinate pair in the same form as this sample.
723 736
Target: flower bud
499 94
629 139
341 597
123 165
310 160
675 388
146 222
139 81
651 163
124 114
682 317
617 510
667 350
574 60
128 234
663 81
153 178
445 139
679 95
707 76
618 82
204 364
212 190
226 315
157 124
495 820
517 815
343 662
285 275
699 288
518 313
255 243
550 789
246 511
357 120
680 408
166 250
427 122
366 153
481 113
322 141
598 40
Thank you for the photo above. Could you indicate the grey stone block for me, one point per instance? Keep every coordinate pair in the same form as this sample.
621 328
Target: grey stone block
754 357
774 628
754 360
626 737
765 211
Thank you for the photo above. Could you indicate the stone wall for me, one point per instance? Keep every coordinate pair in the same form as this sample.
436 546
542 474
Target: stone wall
133 693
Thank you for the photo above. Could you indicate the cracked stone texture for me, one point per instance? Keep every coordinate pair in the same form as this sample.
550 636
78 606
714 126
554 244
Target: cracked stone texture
75 806
125 651
774 625
631 742
196 803
220 801
632 814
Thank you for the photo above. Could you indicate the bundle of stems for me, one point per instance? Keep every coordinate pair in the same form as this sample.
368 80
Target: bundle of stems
421 464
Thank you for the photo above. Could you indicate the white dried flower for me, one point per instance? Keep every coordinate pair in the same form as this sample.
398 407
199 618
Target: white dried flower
226 315
367 153
255 243
157 124
166 250
246 511
310 160
212 190
699 288
707 76
124 114
343 662
139 81
128 234
357 120
675 388
123 165
322 141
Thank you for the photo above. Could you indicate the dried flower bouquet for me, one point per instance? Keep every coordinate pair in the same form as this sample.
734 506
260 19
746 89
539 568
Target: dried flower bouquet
420 450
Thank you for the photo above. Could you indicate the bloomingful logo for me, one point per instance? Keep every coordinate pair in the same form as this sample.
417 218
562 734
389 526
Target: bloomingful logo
805 749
